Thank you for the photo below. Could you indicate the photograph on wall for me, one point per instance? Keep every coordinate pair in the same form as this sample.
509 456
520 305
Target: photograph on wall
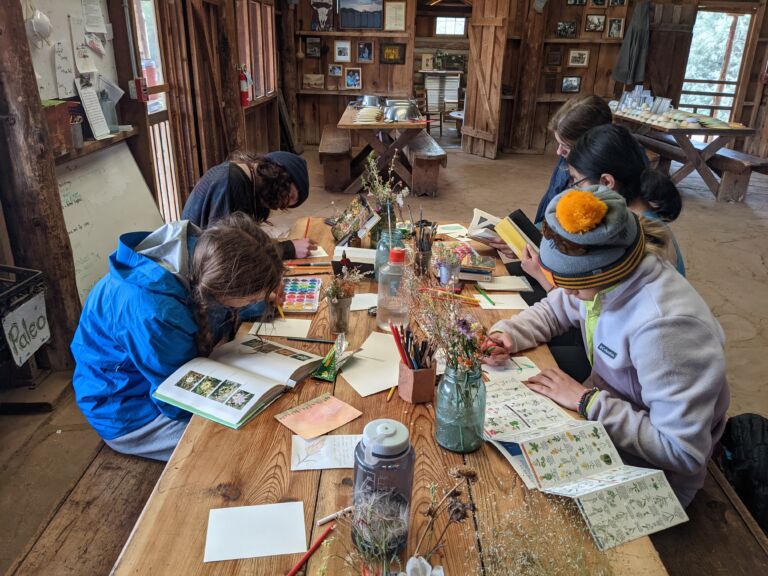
342 51
617 2
392 53
365 53
335 70
566 30
616 28
394 16
597 3
571 85
427 61
314 82
322 15
313 47
577 2
353 79
361 14
554 56
578 58
594 23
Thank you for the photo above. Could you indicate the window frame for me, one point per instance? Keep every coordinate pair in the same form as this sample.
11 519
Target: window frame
466 23
258 40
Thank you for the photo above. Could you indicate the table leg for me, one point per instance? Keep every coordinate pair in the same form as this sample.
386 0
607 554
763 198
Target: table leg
386 149
697 160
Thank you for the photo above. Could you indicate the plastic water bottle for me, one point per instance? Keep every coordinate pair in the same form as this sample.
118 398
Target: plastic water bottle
392 303
384 460
387 241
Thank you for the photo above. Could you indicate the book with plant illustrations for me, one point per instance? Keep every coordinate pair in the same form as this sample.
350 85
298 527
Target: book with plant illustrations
238 381
577 459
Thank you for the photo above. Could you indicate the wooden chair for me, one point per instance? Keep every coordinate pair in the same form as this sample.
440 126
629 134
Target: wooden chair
426 157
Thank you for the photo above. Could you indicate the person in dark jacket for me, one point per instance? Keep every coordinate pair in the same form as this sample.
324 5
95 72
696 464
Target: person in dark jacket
170 296
256 185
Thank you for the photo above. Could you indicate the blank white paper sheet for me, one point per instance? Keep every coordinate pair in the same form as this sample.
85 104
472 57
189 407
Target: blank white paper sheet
375 367
507 284
319 252
363 301
255 531
290 327
502 302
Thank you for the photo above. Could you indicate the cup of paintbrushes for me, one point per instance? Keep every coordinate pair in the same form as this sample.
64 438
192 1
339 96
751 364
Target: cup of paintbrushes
421 261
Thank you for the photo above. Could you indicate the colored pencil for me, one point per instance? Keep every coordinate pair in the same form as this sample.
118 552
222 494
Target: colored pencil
312 264
335 515
449 294
306 230
280 311
312 340
311 550
485 295
391 392
466 302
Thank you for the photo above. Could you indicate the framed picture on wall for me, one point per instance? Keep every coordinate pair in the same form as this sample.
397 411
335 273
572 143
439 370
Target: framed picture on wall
365 53
392 53
313 82
361 14
394 16
578 58
342 51
335 70
322 15
576 2
554 56
617 2
597 3
571 85
616 28
566 30
594 23
427 61
313 47
353 79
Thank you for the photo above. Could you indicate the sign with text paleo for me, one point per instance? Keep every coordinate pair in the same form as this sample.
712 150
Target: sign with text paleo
26 329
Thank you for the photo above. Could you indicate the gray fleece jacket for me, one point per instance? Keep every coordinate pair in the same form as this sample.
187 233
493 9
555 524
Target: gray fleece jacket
659 363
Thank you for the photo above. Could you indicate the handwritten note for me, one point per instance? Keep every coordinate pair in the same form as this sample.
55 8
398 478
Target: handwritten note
323 453
65 71
92 110
318 416
94 17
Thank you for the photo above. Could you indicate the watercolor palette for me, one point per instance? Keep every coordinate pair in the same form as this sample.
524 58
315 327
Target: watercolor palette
302 294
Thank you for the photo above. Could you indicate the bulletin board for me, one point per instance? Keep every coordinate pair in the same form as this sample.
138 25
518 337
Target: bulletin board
43 53
103 196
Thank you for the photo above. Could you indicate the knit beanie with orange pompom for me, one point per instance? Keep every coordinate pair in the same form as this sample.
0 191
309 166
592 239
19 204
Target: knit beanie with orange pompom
591 239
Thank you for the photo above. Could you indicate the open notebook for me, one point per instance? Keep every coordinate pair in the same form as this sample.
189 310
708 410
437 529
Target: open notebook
238 381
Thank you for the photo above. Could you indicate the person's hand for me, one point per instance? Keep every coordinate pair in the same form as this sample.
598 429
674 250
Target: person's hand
303 247
531 265
557 385
496 348
277 298
504 248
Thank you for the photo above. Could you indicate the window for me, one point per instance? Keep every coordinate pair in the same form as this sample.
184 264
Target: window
450 26
151 56
256 38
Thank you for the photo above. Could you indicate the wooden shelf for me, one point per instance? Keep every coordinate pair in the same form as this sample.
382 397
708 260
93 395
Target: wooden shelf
91 146
583 40
507 96
354 34
309 92
511 38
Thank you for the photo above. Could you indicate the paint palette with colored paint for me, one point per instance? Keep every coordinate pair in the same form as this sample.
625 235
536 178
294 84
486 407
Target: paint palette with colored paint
302 294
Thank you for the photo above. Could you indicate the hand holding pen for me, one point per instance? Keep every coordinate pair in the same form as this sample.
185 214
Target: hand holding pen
496 348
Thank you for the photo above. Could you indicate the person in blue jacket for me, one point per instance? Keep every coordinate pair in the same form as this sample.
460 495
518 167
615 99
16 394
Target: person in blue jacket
169 296
254 184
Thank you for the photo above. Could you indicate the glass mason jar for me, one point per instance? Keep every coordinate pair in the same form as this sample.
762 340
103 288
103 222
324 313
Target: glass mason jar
338 314
460 410
388 218
387 240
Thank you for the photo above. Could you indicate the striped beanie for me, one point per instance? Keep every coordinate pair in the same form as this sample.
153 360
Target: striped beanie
591 238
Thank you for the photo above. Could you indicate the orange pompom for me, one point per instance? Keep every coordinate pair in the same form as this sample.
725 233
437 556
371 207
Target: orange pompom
579 211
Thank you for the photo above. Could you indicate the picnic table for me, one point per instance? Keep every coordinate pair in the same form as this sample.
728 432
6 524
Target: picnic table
696 157
215 467
387 139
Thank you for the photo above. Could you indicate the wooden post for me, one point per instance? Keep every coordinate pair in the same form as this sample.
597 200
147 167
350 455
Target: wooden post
230 80
288 73
531 58
28 188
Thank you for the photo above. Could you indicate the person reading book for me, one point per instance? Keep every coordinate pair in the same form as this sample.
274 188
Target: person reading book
658 382
256 185
169 296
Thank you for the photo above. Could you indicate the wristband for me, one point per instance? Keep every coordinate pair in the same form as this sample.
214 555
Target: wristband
584 401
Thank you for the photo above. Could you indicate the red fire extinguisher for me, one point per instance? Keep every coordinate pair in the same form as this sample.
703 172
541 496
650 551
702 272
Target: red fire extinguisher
244 100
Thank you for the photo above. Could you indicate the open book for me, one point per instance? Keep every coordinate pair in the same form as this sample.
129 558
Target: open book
481 229
517 230
578 460
239 380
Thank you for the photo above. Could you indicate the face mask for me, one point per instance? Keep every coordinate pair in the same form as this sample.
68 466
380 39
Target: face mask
39 27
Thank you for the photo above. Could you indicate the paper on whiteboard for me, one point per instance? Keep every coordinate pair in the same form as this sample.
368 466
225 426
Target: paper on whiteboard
94 17
65 72
93 110
113 90
83 61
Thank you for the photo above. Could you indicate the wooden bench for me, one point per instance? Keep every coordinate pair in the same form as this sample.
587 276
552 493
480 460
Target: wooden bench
735 168
426 157
336 158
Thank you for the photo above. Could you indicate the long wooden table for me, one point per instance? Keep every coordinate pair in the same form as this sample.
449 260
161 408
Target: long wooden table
696 159
214 467
387 139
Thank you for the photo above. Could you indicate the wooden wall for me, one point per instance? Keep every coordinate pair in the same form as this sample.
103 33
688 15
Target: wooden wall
316 108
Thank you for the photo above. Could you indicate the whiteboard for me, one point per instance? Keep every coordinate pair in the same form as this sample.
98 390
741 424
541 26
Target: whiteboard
43 54
103 195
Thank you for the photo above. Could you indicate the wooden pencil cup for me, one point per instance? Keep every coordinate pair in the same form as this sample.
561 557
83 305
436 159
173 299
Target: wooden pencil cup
416 386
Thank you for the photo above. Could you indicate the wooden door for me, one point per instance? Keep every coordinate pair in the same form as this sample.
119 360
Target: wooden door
487 45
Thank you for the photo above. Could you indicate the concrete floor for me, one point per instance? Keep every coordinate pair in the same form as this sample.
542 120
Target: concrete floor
725 248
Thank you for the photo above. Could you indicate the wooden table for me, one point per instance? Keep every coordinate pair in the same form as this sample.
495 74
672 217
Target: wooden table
387 139
696 159
214 467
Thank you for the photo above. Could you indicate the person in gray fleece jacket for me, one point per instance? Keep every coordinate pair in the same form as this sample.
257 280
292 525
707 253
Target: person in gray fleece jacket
658 381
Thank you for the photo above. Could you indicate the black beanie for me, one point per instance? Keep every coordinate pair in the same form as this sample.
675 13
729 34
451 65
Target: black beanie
296 167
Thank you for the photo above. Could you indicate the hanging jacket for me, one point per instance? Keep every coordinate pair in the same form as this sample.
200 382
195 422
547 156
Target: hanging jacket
136 329
630 65
659 362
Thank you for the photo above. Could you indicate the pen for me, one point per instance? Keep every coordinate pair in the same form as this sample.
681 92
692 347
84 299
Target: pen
311 550
485 295
312 264
335 515
313 340
280 311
